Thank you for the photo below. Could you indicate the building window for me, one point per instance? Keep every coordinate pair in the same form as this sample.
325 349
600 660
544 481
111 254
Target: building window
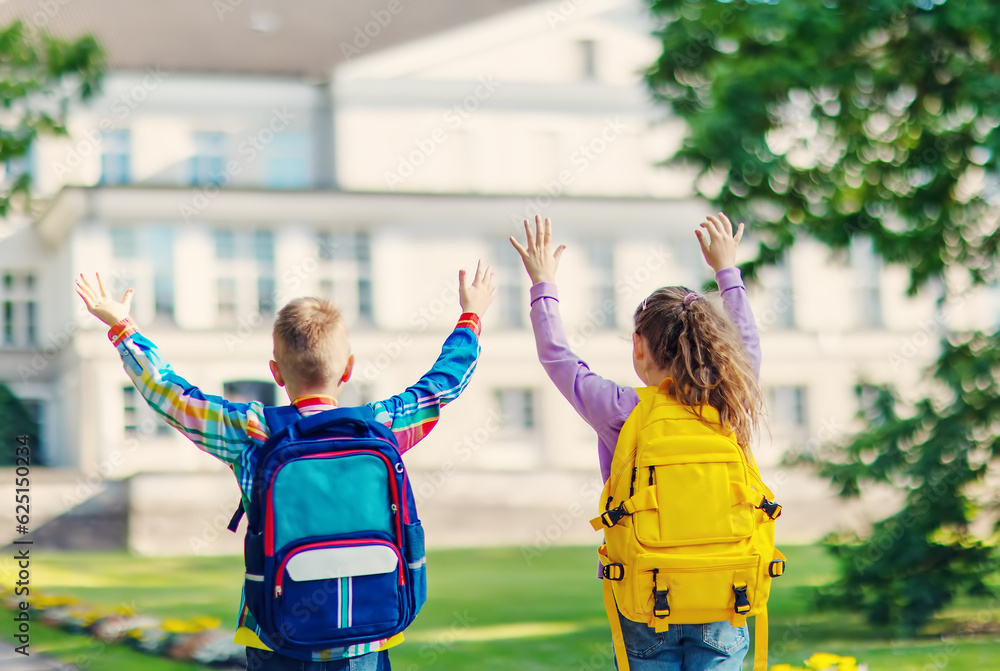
363 258
131 410
787 407
288 162
326 290
19 168
780 294
206 164
31 313
225 243
602 274
163 295
123 245
18 309
867 285
226 299
588 59
517 409
116 157
8 322
263 246
139 418
348 265
265 295
245 391
510 297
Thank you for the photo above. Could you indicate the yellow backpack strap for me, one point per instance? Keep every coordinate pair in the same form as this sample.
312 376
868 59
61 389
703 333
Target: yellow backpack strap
616 626
612 609
760 641
644 500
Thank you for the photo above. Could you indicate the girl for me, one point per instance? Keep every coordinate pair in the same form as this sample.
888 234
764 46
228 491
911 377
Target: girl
678 335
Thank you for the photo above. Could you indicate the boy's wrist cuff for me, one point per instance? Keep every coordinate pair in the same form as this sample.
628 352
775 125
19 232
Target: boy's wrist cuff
121 330
470 320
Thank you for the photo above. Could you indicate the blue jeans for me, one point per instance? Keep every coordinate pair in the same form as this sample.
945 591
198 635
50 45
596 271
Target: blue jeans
717 646
265 660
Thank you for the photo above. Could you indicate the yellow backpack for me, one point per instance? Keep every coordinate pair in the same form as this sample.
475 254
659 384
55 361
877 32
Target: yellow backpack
688 524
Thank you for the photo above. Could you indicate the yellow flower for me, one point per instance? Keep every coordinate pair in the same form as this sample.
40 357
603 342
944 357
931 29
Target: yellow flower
822 660
194 626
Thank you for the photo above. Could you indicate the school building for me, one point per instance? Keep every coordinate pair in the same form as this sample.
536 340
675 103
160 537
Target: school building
365 154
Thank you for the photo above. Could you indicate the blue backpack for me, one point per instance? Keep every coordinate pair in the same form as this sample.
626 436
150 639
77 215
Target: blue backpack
334 550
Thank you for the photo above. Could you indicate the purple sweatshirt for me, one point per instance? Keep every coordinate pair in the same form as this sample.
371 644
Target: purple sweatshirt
604 404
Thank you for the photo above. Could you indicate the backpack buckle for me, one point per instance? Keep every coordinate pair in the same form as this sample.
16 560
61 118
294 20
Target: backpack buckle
742 602
613 516
770 508
661 608
614 572
776 568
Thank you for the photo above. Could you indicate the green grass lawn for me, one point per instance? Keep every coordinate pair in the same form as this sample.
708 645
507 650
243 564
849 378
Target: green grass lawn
488 609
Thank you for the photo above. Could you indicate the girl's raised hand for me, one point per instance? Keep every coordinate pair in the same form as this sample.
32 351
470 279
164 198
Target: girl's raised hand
100 304
718 243
539 259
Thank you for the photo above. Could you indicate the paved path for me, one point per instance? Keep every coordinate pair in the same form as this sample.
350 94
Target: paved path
12 661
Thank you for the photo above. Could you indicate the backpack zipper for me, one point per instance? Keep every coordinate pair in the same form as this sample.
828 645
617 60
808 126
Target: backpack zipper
281 568
269 521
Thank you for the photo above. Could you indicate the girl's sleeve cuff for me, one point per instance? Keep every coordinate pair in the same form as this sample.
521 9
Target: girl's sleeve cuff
122 330
469 320
543 290
729 278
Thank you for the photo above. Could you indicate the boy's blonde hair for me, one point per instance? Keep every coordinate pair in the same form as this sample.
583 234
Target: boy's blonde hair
310 341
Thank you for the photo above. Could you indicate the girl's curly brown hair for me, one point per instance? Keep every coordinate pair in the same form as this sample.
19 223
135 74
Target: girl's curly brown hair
704 355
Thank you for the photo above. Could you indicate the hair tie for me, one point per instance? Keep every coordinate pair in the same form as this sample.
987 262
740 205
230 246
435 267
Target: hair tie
690 298
644 302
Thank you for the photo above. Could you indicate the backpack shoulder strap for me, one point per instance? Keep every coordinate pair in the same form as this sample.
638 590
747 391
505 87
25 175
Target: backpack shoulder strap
278 418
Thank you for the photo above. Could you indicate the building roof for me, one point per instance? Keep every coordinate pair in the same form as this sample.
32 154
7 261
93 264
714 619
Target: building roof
296 38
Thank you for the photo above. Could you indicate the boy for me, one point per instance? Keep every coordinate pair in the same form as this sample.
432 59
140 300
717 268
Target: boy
312 361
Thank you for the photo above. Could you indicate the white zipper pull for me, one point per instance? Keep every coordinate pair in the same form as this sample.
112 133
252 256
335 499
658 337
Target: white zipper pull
277 591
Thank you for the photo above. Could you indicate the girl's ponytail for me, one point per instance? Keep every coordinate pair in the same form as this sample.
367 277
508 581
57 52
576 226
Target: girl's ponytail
688 337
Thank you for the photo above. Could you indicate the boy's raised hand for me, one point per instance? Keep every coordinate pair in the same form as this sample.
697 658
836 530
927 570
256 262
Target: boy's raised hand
100 304
476 297
539 259
718 243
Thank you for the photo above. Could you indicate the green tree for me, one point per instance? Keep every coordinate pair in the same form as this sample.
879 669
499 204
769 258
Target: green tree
39 77
15 420
873 119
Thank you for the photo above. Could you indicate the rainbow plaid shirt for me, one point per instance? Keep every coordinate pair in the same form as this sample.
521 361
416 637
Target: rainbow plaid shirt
232 432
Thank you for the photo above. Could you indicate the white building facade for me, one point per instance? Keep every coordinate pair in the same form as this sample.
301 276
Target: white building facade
219 197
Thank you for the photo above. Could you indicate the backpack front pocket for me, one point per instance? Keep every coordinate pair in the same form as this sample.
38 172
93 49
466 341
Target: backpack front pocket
695 589
339 589
694 479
